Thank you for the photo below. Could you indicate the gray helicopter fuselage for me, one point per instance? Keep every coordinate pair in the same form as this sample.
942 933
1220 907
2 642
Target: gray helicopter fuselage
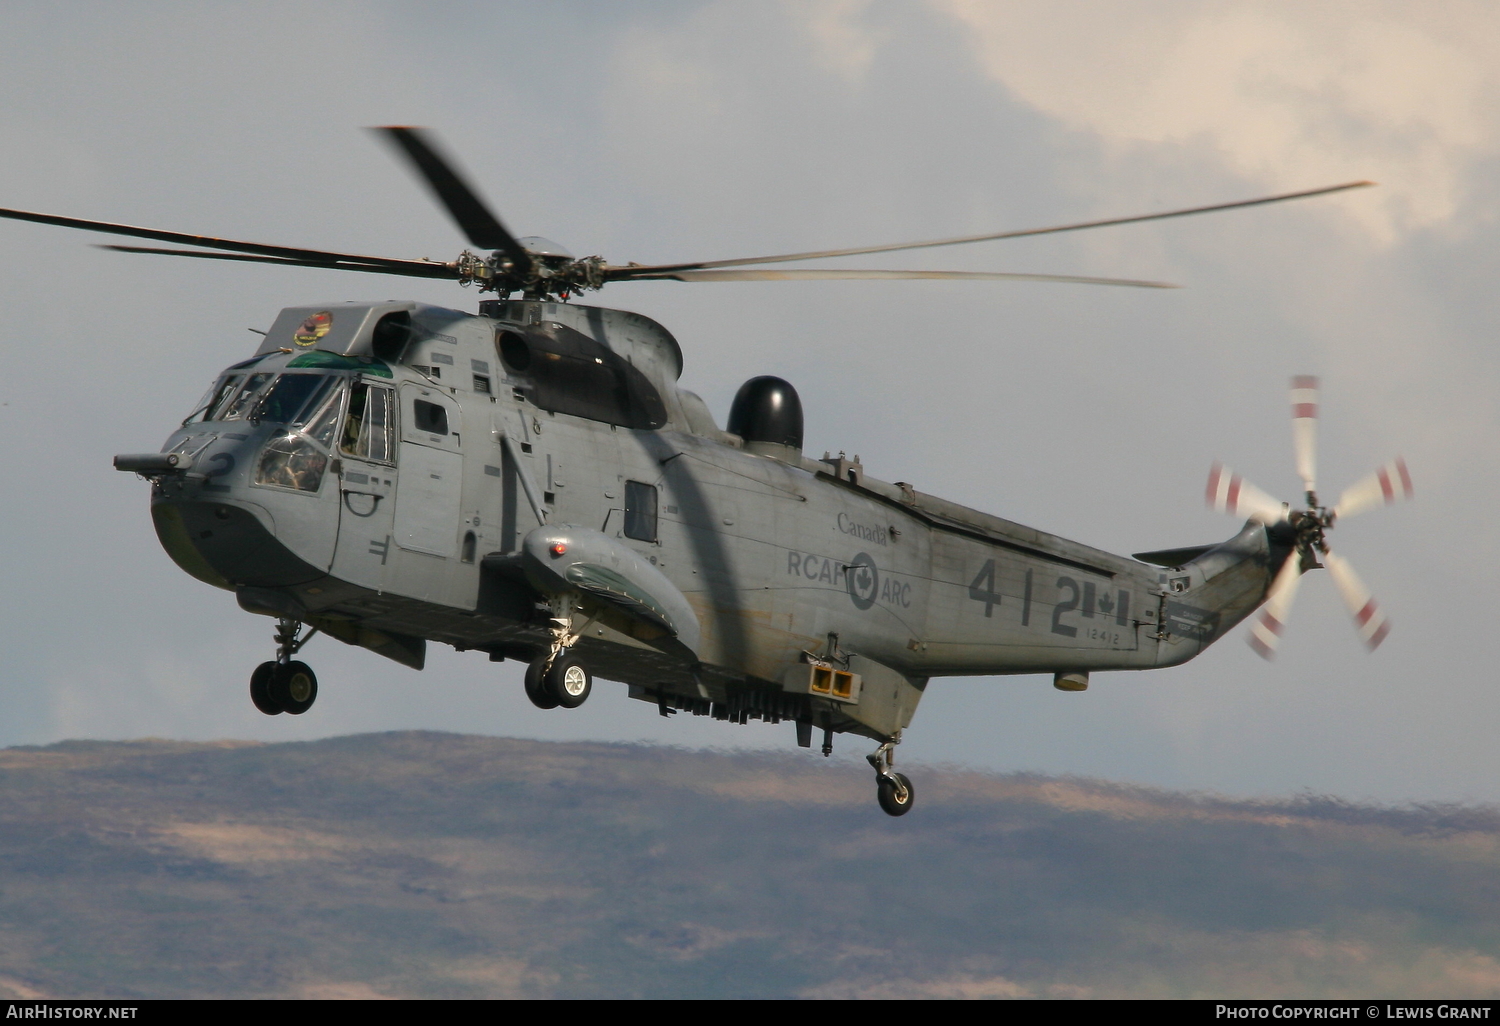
431 474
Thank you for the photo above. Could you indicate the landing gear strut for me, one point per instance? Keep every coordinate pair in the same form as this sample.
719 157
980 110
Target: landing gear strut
285 685
892 789
559 678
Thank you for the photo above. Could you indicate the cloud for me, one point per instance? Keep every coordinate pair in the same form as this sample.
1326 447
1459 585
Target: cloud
842 35
1291 96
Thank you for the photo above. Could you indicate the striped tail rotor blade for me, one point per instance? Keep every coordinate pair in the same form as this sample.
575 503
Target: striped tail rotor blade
1265 634
1304 394
1369 619
1232 494
1390 484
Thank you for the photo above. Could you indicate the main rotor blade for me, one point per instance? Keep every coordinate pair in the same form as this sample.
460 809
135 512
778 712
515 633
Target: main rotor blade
1305 429
1265 634
963 239
409 268
842 274
1232 494
463 204
1384 487
1369 620
207 241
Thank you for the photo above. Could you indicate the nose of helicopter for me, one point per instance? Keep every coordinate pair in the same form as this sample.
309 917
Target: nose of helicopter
215 529
224 543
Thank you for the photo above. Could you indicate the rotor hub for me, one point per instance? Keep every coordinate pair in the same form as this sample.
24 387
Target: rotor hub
1311 526
548 276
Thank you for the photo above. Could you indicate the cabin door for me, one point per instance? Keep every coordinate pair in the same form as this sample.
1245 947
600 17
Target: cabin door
427 503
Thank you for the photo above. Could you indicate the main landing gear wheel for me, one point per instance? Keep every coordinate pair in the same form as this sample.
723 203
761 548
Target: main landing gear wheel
260 689
294 687
895 794
569 681
536 685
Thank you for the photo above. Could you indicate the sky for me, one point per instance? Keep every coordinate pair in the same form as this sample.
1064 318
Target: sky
699 130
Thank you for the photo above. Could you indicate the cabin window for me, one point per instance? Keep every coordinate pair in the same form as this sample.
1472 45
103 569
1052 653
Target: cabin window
640 511
466 554
367 428
429 417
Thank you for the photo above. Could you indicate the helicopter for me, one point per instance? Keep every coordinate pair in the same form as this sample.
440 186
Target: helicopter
531 482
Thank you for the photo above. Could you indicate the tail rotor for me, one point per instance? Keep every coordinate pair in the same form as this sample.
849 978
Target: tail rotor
1265 635
1383 487
1232 494
1305 433
1369 619
1229 493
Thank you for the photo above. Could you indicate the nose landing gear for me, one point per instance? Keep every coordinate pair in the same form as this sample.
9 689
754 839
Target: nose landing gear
893 790
285 685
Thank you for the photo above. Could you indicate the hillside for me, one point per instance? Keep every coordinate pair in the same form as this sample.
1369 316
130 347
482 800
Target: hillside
433 865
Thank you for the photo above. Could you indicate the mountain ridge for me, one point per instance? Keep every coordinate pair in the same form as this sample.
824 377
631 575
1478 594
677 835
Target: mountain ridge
424 864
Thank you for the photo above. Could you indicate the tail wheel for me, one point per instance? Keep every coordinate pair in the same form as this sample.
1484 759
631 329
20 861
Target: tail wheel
895 795
260 689
536 686
569 681
294 687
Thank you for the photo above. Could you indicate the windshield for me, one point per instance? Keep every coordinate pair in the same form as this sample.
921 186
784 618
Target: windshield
236 402
209 400
311 404
288 399
290 395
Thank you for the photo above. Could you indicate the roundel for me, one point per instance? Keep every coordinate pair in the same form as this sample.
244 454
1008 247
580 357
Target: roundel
312 329
863 580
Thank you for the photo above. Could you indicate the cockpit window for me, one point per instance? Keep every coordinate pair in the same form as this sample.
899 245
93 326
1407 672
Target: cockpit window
292 394
299 458
323 420
215 395
367 431
291 461
235 408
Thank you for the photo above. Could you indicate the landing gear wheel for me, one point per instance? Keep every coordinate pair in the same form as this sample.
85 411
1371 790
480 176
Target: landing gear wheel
536 687
895 796
294 687
569 681
260 689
